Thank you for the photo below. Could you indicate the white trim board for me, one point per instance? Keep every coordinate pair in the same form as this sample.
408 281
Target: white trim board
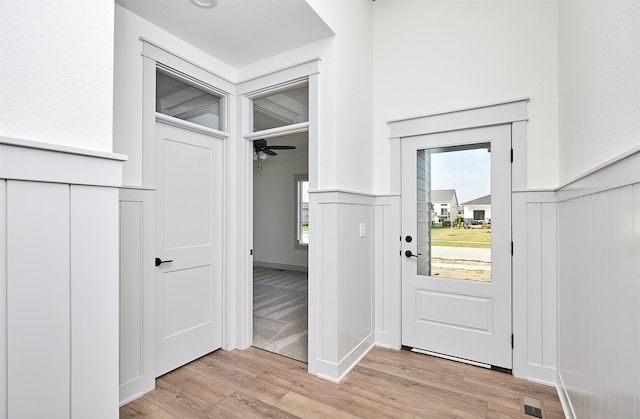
169 58
621 171
41 162
474 117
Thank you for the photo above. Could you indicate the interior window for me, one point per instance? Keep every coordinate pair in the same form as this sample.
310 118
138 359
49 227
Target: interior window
177 98
285 107
302 210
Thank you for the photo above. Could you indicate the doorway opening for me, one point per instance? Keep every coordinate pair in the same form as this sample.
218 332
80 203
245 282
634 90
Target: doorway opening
281 222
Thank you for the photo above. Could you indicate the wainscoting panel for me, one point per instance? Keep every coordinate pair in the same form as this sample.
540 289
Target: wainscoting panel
38 276
534 285
137 292
341 320
60 263
94 289
599 293
387 274
3 298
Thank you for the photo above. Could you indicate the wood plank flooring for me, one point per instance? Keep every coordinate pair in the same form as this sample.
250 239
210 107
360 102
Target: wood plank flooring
386 384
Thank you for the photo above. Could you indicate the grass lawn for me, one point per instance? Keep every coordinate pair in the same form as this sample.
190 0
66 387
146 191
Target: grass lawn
459 237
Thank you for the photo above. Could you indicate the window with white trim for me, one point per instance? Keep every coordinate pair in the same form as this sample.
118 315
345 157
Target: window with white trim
184 99
302 211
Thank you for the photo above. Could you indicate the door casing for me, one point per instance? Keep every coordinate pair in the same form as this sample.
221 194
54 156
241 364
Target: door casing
513 112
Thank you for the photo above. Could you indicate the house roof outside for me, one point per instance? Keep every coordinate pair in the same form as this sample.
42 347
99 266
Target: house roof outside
483 200
443 195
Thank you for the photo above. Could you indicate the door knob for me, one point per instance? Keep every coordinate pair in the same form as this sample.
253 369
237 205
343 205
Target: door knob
410 254
160 262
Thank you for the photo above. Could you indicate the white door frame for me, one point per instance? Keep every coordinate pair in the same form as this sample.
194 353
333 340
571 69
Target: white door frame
510 112
238 263
244 161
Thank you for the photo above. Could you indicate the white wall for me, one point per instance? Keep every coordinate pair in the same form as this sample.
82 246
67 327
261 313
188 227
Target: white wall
56 84
56 75
128 83
598 287
440 55
274 209
599 70
345 97
352 22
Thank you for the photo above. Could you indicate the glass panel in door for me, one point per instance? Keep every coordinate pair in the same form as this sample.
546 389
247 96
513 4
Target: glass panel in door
454 212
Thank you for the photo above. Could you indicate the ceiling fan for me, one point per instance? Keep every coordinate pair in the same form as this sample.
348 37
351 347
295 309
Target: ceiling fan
263 150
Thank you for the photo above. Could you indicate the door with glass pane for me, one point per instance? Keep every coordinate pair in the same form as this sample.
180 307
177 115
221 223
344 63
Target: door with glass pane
456 250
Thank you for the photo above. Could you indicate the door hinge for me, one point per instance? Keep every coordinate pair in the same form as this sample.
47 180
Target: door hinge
512 155
511 248
512 341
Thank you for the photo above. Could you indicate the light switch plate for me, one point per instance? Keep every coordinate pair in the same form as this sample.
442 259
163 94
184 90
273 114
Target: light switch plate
363 230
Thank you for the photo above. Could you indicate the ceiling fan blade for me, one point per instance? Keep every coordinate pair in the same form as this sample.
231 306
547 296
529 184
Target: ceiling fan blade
270 152
282 147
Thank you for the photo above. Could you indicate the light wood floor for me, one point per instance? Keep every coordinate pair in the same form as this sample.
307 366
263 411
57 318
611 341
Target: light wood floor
254 384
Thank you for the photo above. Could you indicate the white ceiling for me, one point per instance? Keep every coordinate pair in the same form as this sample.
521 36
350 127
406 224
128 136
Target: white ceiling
236 32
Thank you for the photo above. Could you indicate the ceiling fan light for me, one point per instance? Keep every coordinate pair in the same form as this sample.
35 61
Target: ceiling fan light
205 4
263 155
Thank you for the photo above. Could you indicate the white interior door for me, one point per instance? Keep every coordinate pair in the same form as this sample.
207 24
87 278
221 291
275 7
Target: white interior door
189 235
456 282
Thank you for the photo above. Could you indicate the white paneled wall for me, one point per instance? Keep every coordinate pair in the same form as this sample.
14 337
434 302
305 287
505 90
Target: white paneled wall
137 292
340 282
599 292
386 265
3 298
534 285
38 306
93 293
60 271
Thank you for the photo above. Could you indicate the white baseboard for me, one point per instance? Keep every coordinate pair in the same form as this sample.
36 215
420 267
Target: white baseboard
337 372
282 266
567 407
386 340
